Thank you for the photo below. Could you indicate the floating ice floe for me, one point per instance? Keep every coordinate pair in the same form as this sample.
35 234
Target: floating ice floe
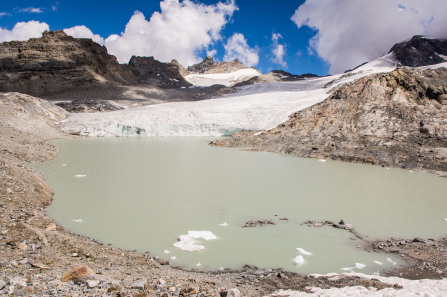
64 164
198 264
78 220
188 241
360 265
173 258
321 160
391 261
80 175
299 260
224 224
303 252
347 268
445 220
378 262
166 252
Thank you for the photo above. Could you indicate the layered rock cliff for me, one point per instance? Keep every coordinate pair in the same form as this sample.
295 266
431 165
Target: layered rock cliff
393 119
58 62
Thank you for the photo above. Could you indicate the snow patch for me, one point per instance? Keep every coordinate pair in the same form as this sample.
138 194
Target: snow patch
78 221
360 265
227 79
378 262
80 175
224 224
423 287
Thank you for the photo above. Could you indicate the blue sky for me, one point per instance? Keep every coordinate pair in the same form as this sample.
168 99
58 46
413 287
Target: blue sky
299 36
256 22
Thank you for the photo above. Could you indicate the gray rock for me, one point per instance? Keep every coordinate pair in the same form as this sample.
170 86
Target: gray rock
231 293
92 283
138 285
2 284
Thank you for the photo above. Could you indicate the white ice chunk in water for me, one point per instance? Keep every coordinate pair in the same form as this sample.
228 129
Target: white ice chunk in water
224 224
64 164
378 262
360 265
445 220
173 258
303 252
321 160
78 221
188 242
391 261
299 260
347 268
198 264
166 252
80 175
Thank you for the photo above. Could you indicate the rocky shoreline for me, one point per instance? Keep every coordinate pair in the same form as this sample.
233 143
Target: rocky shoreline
36 254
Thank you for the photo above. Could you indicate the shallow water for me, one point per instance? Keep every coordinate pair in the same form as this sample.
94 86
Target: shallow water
143 193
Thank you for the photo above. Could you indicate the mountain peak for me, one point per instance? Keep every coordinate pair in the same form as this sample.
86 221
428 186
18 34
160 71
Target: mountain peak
420 51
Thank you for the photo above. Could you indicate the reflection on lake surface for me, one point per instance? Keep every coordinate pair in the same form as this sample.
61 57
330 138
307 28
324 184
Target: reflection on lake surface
143 193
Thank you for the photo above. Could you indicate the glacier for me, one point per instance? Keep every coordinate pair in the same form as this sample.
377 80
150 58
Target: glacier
251 108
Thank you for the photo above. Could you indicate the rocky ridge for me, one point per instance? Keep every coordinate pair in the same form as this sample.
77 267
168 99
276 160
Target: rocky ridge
208 66
394 119
60 67
58 62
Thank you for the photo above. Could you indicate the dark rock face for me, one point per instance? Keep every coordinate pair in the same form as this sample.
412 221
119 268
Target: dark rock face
58 62
163 75
286 76
420 51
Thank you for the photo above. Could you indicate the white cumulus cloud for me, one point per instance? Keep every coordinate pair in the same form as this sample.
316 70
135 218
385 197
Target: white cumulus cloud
350 32
279 50
23 31
237 48
84 32
179 31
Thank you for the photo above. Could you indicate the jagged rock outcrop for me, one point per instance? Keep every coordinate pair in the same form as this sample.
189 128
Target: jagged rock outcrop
58 62
393 119
420 51
208 66
163 75
88 105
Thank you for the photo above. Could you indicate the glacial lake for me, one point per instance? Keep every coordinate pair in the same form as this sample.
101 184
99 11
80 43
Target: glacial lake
143 193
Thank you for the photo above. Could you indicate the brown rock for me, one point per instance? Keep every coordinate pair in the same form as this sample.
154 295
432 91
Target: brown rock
77 272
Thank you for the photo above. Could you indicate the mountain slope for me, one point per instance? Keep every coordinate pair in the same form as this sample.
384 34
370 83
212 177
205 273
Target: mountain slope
392 119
